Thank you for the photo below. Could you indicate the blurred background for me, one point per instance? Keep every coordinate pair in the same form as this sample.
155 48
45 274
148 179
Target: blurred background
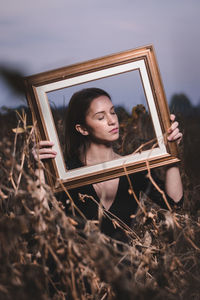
37 36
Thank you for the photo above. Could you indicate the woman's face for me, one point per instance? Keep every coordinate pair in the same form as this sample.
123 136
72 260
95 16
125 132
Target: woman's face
101 120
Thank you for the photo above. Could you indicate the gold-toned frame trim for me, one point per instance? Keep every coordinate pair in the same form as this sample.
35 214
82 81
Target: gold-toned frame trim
145 54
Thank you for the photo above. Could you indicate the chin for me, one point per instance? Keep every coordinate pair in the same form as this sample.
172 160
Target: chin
115 138
106 141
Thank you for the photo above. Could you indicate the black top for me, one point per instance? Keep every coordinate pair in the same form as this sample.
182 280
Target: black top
124 204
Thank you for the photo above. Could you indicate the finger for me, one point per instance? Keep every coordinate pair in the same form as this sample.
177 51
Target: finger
43 156
177 137
173 134
46 151
43 153
42 144
46 144
173 127
172 117
46 156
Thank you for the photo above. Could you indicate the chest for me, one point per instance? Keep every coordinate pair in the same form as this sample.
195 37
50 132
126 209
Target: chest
107 191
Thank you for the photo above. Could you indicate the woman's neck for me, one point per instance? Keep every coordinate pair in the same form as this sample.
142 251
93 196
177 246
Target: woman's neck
98 153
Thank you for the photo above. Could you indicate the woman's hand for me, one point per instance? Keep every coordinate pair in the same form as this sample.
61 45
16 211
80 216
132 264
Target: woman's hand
173 183
43 150
173 131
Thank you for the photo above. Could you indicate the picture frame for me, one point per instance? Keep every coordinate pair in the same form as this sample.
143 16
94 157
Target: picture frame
143 60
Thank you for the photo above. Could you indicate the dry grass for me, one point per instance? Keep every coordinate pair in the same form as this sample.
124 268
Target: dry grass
48 255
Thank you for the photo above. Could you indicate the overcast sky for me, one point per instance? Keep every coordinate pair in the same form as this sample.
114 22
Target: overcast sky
37 36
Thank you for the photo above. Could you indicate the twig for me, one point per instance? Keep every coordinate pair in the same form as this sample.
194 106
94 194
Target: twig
133 193
156 186
121 223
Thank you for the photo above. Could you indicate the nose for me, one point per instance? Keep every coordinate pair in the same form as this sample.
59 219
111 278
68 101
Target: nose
111 119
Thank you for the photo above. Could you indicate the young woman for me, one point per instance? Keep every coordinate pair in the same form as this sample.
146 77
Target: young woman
91 128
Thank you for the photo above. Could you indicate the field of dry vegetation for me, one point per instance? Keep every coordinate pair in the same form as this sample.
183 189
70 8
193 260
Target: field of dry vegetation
45 254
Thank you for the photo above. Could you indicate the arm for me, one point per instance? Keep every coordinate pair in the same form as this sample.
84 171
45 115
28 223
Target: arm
173 183
40 152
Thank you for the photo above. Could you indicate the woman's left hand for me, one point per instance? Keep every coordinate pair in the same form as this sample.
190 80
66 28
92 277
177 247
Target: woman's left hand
173 131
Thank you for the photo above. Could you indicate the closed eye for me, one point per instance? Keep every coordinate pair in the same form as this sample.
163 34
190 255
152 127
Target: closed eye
100 116
113 111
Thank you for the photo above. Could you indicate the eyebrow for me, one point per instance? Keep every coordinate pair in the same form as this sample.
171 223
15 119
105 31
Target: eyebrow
102 112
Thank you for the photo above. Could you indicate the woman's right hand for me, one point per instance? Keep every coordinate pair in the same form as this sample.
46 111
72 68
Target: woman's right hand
43 150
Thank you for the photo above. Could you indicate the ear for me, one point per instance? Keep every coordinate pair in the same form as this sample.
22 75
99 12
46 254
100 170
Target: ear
81 129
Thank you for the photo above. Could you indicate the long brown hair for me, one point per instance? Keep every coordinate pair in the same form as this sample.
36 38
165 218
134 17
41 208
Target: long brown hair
75 143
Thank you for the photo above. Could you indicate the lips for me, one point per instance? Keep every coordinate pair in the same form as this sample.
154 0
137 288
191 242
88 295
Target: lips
114 130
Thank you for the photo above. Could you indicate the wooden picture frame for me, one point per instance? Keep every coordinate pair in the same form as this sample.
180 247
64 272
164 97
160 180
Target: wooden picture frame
144 61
